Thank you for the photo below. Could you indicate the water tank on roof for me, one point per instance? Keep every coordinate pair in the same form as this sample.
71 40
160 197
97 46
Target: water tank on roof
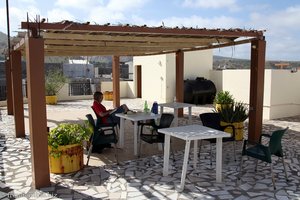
199 91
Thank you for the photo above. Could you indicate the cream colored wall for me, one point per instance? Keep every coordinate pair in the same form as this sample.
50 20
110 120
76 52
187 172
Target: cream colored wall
125 88
281 96
285 95
63 95
197 64
153 76
158 73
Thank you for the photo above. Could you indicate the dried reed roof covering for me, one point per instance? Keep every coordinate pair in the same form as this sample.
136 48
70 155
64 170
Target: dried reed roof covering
69 38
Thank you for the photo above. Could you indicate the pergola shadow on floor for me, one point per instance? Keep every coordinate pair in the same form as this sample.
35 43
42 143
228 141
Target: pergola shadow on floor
69 38
142 178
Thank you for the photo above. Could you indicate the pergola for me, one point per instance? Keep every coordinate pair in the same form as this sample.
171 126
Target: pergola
69 38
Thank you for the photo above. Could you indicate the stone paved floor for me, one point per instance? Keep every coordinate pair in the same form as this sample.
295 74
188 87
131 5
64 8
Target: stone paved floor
142 178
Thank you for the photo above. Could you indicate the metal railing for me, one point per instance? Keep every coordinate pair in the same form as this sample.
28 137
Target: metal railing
79 89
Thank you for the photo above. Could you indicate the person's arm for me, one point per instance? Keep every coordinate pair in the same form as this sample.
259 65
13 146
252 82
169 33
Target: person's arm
100 110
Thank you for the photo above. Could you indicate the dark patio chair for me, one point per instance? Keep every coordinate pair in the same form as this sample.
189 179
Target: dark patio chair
264 152
155 136
213 120
101 136
100 124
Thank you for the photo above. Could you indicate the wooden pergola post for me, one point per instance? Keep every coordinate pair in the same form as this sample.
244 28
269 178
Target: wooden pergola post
116 80
258 49
16 69
179 79
37 111
10 109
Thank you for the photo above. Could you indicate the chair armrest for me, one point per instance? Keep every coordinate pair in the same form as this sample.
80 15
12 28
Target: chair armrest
265 135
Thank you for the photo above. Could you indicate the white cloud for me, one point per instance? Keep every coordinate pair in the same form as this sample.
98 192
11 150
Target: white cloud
200 22
79 4
16 16
215 4
115 11
57 15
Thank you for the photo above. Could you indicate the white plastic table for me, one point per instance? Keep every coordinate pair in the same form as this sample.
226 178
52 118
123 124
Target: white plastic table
176 106
135 117
189 133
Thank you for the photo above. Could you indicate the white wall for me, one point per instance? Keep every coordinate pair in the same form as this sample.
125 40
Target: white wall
153 76
281 96
158 73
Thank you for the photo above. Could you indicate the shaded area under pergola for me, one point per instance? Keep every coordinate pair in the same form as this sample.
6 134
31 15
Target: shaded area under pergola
72 39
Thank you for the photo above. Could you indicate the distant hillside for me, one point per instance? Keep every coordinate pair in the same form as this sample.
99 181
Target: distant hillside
3 44
220 62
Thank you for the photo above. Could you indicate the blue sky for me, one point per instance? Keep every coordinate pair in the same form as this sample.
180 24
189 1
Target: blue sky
280 18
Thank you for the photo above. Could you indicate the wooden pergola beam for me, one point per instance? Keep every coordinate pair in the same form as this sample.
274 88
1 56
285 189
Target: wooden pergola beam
9 98
116 81
73 26
257 70
16 68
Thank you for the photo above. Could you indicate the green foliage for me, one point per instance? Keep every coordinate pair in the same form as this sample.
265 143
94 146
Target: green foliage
236 113
66 134
54 81
224 97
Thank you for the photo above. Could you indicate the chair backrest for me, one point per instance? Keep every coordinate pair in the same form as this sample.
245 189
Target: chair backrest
275 142
166 120
211 120
91 120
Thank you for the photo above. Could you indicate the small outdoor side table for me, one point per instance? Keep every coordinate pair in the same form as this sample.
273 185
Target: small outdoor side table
135 117
189 133
176 106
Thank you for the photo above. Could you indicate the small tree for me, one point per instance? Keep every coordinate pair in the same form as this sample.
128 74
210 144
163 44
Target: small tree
54 81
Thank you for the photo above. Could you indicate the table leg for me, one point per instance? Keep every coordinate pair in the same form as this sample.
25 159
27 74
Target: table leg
195 153
185 162
219 160
166 155
190 115
175 117
121 136
135 138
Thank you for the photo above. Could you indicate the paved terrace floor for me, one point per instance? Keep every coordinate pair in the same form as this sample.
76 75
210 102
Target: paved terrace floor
142 178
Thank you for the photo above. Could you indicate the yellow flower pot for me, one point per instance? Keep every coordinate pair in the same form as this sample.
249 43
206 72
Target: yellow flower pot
220 106
70 160
238 127
51 100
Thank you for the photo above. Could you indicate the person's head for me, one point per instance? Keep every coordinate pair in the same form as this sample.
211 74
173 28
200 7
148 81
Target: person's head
98 96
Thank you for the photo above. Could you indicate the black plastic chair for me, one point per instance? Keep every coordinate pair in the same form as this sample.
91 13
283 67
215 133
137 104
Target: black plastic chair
100 136
213 120
155 136
100 124
264 153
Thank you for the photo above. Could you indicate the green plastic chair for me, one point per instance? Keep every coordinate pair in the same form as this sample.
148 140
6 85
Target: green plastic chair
264 153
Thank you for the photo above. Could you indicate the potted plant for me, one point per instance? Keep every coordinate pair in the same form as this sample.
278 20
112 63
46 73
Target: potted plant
234 115
223 99
54 81
65 146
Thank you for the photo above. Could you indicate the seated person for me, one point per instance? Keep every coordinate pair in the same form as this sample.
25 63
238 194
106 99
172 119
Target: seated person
103 114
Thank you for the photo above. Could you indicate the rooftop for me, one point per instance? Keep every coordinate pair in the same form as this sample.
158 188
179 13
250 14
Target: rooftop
142 178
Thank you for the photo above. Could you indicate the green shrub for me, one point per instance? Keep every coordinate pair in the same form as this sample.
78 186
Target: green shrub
66 134
223 97
54 81
236 113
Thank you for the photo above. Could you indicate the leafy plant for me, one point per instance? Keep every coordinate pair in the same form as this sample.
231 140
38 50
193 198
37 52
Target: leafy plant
236 113
54 81
66 134
224 97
